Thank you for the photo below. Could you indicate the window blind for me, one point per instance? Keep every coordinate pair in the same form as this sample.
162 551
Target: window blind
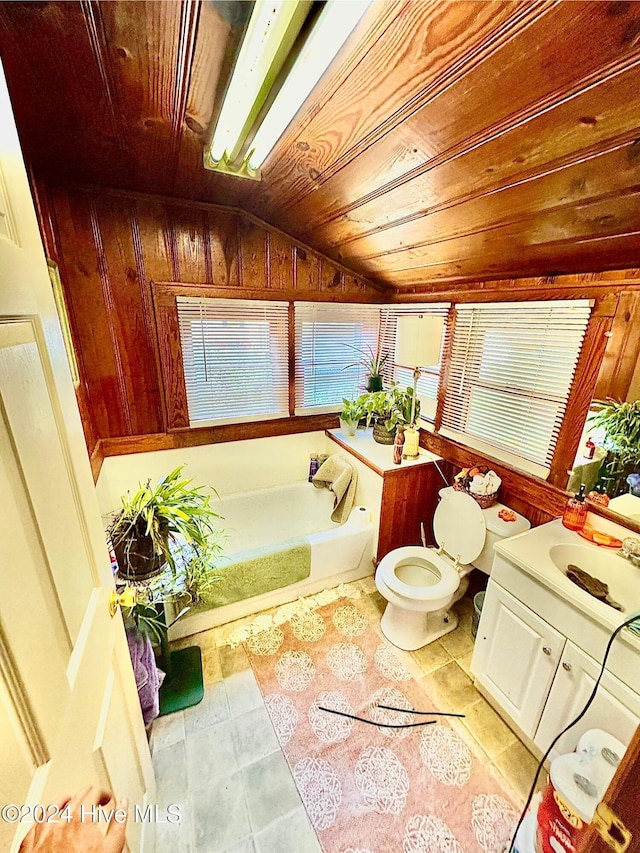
512 365
427 387
329 337
235 359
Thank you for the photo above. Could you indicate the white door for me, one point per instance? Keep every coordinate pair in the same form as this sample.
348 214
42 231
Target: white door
616 708
69 712
515 657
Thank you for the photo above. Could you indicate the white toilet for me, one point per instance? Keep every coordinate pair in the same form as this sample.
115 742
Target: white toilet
420 584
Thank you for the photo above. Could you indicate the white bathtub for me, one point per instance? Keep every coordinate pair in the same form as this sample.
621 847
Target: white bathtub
265 517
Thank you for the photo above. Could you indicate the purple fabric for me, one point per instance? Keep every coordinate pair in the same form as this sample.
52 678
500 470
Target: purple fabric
146 674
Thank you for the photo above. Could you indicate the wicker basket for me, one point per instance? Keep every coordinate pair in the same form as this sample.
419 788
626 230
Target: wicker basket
483 501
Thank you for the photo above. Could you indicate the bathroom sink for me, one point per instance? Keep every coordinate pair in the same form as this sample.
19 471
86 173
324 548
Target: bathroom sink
622 578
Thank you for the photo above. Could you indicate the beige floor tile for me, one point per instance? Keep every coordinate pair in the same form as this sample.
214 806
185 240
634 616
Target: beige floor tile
488 728
211 668
518 767
431 657
451 688
370 609
378 601
233 660
458 643
368 584
465 663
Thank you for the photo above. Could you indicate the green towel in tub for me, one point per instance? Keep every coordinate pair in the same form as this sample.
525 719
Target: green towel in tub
262 570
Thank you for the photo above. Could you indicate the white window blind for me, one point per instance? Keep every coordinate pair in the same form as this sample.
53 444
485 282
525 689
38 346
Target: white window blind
511 370
235 359
328 338
427 387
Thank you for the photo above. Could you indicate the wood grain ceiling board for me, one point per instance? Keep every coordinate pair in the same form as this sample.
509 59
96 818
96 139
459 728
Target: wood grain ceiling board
433 149
486 102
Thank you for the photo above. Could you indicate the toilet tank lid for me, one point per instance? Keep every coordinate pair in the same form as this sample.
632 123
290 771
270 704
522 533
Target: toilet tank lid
496 524
501 527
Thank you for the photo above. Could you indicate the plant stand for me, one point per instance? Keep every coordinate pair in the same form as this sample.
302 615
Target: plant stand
183 685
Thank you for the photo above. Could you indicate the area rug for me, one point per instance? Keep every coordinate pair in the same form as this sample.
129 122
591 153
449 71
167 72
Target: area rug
369 789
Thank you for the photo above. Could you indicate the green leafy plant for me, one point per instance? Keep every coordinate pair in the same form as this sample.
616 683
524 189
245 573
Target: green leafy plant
167 544
352 411
373 363
621 423
188 585
392 406
153 519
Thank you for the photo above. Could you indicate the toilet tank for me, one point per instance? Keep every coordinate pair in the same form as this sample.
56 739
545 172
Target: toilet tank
497 529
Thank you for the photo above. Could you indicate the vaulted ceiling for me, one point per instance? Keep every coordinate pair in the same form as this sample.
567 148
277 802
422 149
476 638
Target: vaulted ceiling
448 141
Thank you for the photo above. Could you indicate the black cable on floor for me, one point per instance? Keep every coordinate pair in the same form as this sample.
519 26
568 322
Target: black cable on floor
422 713
566 729
373 723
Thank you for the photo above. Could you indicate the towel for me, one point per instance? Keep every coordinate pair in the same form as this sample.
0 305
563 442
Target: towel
146 673
485 484
261 570
341 477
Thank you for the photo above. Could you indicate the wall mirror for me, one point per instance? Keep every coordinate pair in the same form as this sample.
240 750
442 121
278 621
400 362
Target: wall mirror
609 453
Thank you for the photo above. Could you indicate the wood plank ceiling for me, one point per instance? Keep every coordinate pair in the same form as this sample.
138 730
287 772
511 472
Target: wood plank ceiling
449 141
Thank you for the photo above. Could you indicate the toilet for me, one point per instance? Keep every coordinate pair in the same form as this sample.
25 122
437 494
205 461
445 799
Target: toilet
421 584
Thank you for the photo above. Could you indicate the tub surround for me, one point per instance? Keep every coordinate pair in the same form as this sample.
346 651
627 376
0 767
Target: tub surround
408 492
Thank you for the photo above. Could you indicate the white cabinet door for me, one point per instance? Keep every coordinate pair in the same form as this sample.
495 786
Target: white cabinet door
616 708
515 657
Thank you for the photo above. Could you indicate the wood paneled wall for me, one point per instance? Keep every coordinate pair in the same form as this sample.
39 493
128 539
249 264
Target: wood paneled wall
111 246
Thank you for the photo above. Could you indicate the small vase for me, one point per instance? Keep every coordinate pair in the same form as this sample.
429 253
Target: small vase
348 427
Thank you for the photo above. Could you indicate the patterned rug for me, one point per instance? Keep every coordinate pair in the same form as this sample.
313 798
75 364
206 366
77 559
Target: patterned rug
369 789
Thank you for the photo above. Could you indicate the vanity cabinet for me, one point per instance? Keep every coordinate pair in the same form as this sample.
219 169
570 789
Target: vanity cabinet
515 657
539 678
572 686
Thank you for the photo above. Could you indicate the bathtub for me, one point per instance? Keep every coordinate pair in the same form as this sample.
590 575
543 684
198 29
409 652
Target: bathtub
266 517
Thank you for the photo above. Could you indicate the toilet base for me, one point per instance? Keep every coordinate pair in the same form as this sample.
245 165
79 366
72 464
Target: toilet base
410 630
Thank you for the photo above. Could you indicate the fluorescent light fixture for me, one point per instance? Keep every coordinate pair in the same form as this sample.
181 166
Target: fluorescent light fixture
335 24
271 33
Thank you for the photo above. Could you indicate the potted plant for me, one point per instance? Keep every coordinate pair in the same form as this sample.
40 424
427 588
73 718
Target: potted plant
373 363
166 546
387 410
153 521
351 414
621 423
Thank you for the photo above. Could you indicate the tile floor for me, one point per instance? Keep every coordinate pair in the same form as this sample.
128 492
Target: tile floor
222 763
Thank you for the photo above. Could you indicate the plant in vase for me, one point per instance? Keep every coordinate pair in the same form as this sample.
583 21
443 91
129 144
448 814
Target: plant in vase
373 363
621 423
166 545
351 414
387 410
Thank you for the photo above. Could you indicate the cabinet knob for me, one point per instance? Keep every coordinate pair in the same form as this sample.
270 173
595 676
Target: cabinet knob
546 650
566 666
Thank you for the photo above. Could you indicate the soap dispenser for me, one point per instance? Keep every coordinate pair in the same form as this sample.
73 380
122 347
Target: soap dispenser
575 512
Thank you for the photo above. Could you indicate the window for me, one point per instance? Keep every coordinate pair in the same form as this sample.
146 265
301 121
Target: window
235 359
328 338
427 387
511 370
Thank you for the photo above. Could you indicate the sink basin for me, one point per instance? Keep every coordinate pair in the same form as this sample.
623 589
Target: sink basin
622 578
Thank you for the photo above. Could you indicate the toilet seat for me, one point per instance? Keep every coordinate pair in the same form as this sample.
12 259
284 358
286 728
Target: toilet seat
416 560
459 526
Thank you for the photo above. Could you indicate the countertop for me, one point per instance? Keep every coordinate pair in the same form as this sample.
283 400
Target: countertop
377 456
530 552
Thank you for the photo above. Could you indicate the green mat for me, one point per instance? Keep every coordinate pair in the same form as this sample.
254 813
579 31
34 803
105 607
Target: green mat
263 570
183 685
